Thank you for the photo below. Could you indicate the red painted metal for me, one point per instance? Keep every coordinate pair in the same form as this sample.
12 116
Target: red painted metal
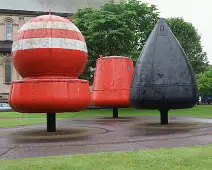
50 54
48 62
50 95
112 82
33 62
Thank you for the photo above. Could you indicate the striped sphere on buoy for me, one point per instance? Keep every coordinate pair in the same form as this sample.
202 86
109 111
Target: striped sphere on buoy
49 45
50 54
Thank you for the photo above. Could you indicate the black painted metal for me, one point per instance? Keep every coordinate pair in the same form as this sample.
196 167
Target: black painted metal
164 119
163 77
51 122
115 113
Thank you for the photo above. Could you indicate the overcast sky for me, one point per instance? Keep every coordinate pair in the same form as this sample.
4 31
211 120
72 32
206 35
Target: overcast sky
198 12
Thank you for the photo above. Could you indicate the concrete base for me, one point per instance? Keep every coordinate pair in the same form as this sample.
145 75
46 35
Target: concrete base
95 135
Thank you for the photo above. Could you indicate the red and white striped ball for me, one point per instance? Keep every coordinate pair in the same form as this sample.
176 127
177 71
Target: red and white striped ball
49 46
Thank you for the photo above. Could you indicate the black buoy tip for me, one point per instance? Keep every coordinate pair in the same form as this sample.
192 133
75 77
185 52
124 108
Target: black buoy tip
161 20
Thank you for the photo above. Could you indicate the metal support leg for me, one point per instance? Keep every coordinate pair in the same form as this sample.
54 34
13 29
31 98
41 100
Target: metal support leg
51 122
164 119
115 113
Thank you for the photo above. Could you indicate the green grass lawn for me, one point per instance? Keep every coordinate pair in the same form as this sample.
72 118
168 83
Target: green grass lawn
193 158
204 111
9 119
10 123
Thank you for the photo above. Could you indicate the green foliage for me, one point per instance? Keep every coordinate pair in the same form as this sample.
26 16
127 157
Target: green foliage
117 29
205 83
190 40
122 29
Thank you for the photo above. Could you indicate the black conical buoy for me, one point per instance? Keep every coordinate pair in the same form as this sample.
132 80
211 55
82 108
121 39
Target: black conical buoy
163 76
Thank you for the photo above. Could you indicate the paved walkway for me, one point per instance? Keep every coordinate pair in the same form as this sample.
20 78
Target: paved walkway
95 135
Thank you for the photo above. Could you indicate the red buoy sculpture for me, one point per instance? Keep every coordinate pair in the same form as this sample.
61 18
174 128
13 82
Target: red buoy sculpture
50 53
112 82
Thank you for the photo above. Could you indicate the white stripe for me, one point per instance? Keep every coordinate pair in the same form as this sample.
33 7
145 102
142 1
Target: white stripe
49 25
36 43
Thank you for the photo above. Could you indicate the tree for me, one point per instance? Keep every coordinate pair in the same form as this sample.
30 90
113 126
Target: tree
190 40
122 29
205 83
117 29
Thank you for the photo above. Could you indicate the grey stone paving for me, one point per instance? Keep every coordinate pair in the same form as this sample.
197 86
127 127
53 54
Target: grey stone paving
95 135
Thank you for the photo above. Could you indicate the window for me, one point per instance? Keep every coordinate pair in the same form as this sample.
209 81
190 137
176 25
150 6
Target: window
8 71
9 30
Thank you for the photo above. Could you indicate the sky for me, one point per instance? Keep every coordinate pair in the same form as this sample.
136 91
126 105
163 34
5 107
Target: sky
198 12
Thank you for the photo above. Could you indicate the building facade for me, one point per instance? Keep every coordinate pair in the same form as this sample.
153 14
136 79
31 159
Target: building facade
13 14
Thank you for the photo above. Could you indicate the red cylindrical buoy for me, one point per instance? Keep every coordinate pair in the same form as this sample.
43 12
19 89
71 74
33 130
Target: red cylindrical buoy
50 95
49 53
112 81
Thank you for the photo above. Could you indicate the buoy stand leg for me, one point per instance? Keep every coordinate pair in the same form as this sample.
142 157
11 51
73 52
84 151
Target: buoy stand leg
51 122
164 119
115 113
